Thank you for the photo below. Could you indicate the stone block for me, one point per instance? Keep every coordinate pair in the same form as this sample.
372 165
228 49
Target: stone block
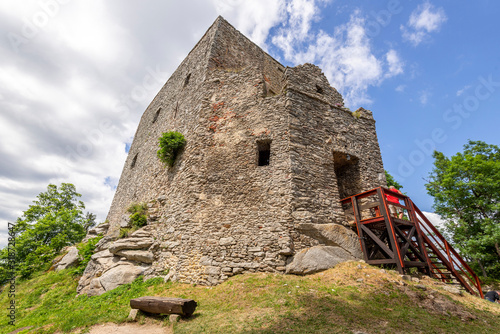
132 315
317 258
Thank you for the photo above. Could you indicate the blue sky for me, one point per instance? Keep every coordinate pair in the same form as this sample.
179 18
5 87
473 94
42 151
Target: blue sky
76 76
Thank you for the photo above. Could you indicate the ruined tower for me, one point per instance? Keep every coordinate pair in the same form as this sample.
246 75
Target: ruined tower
270 150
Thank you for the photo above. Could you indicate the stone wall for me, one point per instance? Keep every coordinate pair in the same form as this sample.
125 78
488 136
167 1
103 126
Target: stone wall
217 212
334 153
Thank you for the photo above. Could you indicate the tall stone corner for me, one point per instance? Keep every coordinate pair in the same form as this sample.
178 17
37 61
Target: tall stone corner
270 151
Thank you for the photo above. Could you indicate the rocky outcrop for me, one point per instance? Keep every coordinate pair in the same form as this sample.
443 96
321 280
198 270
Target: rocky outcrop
117 262
130 243
123 273
136 255
100 229
334 235
69 260
317 258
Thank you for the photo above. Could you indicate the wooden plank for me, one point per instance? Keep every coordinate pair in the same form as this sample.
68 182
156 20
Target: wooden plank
164 305
415 264
392 235
357 218
384 261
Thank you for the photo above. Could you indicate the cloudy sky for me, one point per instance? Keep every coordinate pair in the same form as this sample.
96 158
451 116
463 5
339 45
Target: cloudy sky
76 76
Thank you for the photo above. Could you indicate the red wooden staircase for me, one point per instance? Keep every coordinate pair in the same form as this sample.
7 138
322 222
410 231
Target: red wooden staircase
409 242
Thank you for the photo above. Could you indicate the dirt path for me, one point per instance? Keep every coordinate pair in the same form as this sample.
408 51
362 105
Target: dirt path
130 328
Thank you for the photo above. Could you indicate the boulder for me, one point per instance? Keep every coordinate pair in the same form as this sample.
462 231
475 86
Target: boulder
141 234
136 255
317 258
333 235
130 243
104 243
69 260
105 258
119 275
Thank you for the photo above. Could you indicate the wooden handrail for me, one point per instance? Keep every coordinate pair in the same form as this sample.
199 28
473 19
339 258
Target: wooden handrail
452 254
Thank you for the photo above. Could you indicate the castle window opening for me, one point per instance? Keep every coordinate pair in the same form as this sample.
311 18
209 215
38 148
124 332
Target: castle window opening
347 173
156 115
132 165
319 89
264 152
186 81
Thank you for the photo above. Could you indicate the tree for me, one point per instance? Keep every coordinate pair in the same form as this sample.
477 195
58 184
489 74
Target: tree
55 220
466 191
391 181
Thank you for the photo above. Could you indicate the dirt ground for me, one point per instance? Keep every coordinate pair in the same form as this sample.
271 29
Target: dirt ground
130 328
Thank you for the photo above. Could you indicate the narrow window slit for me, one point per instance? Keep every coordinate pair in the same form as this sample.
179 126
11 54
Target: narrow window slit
132 165
264 152
156 115
186 81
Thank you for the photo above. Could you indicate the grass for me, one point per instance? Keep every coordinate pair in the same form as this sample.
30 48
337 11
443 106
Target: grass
330 302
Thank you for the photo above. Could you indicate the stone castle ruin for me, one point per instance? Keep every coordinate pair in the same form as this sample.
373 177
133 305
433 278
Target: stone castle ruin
270 150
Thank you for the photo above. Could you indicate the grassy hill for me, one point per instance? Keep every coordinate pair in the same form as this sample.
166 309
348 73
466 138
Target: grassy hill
349 298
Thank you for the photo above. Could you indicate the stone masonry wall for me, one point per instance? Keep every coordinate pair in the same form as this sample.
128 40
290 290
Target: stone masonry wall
216 212
322 134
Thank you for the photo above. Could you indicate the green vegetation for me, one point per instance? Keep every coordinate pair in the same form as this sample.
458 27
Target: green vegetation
334 301
85 251
54 221
466 191
171 143
48 302
391 181
138 218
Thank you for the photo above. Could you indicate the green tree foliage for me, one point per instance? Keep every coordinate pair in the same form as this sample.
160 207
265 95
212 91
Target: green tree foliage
391 181
171 143
466 191
55 220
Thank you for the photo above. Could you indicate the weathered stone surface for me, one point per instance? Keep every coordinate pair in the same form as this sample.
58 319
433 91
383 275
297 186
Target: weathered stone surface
334 235
104 243
453 289
130 243
136 255
142 234
132 315
69 260
220 206
226 241
317 258
174 318
100 229
120 275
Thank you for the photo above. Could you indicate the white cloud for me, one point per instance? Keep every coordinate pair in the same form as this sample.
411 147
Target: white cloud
435 219
400 88
395 63
424 97
253 18
423 20
461 91
69 95
346 55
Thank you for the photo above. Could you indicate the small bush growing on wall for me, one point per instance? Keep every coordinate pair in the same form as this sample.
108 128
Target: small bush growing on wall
138 217
170 145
